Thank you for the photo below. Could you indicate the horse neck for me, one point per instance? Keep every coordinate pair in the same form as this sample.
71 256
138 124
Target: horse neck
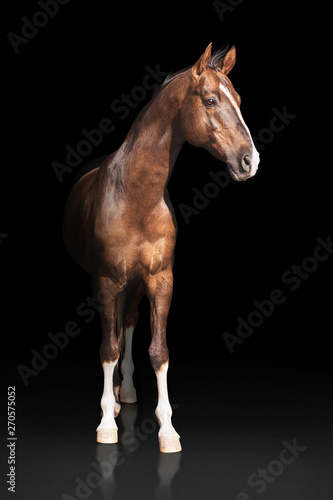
151 147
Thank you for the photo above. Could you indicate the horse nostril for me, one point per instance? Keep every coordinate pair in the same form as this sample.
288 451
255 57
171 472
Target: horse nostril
246 163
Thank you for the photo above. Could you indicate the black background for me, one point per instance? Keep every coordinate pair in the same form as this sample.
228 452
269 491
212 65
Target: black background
232 253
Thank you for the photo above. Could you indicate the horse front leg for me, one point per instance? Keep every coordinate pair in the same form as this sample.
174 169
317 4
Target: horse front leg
107 431
159 291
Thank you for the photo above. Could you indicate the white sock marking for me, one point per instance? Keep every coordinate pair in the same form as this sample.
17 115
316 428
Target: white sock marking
108 400
163 410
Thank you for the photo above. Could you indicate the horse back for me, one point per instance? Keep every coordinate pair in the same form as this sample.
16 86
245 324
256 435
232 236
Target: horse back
96 163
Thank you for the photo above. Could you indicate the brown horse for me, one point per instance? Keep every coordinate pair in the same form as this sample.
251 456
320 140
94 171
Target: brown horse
119 224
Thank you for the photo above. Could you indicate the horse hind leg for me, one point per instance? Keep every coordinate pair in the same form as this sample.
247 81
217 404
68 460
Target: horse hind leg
135 293
127 389
116 390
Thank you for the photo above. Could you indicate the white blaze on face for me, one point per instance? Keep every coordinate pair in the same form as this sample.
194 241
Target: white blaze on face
255 154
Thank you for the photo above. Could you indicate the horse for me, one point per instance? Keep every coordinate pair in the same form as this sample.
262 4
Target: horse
119 224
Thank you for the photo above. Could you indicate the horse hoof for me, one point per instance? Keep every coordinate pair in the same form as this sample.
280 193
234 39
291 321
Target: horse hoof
128 397
107 435
169 444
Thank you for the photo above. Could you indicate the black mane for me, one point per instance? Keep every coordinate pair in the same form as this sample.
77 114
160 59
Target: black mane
218 56
215 59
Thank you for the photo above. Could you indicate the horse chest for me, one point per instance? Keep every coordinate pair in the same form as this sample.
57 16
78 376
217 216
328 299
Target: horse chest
154 257
134 244
137 257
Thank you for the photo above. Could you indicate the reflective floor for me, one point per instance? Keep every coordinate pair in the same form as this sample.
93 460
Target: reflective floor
246 434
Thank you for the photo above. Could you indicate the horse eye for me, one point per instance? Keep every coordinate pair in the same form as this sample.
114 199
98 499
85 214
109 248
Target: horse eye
210 101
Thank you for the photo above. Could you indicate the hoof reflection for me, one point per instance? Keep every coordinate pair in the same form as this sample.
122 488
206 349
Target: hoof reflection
167 467
133 435
127 419
107 456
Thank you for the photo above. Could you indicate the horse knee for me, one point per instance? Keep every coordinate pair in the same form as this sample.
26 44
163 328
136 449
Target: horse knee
109 351
159 355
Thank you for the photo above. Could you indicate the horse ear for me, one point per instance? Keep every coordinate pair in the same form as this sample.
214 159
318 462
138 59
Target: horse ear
203 62
228 62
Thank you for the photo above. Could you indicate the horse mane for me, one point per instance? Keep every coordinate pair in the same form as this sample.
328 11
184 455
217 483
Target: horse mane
218 55
169 79
215 59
